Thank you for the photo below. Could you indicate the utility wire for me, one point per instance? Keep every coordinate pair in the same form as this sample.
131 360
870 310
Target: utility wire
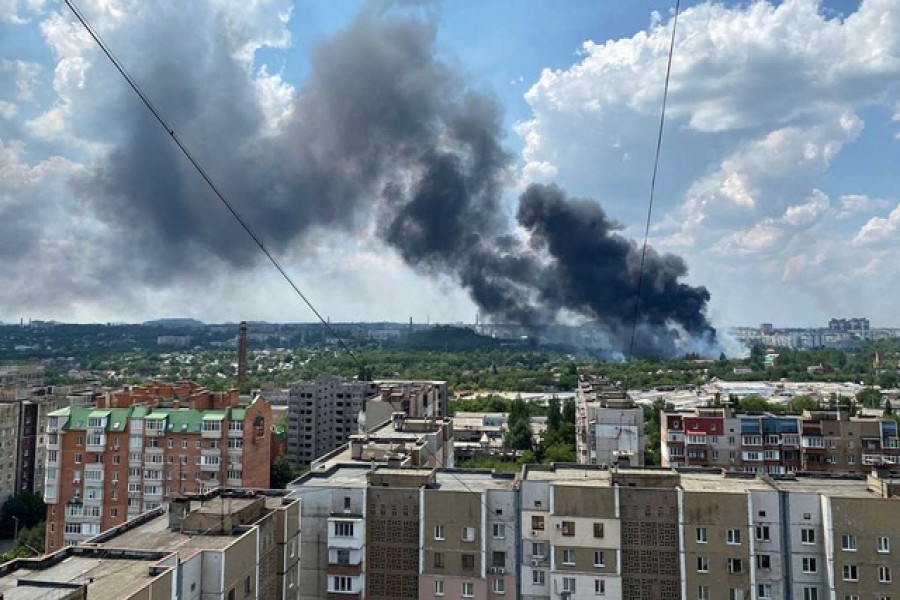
243 223
662 122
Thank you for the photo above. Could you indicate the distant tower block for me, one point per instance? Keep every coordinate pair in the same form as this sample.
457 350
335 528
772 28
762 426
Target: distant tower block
242 355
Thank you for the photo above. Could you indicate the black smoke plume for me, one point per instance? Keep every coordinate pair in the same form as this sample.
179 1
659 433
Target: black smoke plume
382 130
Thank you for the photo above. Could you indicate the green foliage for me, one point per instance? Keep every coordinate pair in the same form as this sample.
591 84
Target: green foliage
754 405
27 507
559 453
282 472
519 435
802 402
652 415
869 397
887 380
496 464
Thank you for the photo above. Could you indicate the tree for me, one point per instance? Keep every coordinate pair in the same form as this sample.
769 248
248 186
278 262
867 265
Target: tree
754 404
282 472
519 435
802 402
869 397
27 507
887 380
554 419
559 453
888 409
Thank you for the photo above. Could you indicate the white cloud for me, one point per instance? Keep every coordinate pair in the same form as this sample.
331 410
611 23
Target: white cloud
879 229
764 98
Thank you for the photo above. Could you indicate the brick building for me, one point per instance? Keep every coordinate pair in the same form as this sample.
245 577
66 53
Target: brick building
142 446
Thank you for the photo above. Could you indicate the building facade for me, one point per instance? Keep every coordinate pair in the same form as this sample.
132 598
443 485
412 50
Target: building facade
609 426
817 441
139 447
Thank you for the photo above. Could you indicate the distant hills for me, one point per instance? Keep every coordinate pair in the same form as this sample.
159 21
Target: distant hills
175 323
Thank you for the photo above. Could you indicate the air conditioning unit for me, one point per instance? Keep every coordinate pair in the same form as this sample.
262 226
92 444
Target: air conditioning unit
558 525
533 532
535 562
497 570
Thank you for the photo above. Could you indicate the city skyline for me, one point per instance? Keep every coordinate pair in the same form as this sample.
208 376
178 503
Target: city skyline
784 160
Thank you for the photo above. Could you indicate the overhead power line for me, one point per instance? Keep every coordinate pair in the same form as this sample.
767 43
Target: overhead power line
219 194
662 123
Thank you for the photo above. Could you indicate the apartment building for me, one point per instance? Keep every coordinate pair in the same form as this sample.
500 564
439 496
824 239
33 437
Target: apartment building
817 441
226 544
388 533
141 446
609 426
323 413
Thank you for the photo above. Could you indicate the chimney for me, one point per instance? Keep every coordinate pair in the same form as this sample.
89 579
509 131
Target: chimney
242 355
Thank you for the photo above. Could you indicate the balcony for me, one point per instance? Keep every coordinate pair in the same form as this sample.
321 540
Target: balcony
211 430
235 433
210 465
234 482
155 428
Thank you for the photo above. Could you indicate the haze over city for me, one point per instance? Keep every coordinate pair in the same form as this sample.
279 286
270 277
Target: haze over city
775 176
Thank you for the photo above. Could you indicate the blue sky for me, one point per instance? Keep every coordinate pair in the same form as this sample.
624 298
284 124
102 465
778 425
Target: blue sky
777 181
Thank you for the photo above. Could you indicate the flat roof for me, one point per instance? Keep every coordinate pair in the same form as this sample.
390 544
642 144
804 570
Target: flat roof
106 578
834 487
716 482
156 534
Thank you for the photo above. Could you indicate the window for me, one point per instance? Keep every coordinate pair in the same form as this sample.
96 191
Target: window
809 565
114 512
733 536
343 528
498 586
538 577
568 528
247 585
569 584
807 536
848 543
438 532
498 559
762 533
764 590
468 589
851 573
537 522
499 530
468 534
701 535
599 586
568 557
763 561
735 565
438 560
539 550
810 593
735 594
468 562
341 583
852 597
343 556
78 458
599 559
703 564
884 544
703 592
884 574
439 587
598 530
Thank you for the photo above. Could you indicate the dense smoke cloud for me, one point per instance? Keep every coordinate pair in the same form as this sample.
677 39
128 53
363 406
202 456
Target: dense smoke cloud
385 132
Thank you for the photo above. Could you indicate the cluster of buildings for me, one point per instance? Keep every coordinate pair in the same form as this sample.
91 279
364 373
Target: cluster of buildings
609 426
821 441
840 333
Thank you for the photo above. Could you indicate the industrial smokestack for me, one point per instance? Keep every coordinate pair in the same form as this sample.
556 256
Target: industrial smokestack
242 355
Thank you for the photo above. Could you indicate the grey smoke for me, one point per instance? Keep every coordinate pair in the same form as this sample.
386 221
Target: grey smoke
382 130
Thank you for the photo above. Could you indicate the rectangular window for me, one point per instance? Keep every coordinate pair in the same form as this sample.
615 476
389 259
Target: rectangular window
343 528
735 594
598 530
735 565
884 574
568 557
538 577
703 564
468 534
78 458
438 532
807 536
851 573
764 590
599 586
439 587
499 530
539 550
599 558
498 559
569 584
810 593
498 586
762 533
438 560
733 536
468 562
701 535
537 522
884 544
809 565
342 584
468 589
848 543
763 561
703 592
568 528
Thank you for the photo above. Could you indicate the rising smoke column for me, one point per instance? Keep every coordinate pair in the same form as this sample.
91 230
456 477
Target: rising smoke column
382 131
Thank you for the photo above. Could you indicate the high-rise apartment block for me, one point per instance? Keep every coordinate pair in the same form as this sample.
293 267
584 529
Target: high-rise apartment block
609 426
229 545
816 441
323 413
141 446
580 532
